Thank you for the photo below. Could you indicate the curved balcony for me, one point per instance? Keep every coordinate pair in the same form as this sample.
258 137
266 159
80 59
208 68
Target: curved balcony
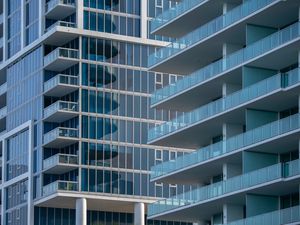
267 138
225 28
59 9
234 188
60 111
60 186
265 53
202 118
61 59
61 137
61 85
60 164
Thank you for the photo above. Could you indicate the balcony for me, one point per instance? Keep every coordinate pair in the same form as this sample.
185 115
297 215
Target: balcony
61 85
3 112
60 137
60 33
59 9
203 118
204 44
265 53
194 203
3 88
60 186
267 138
60 164
280 217
61 59
170 22
60 111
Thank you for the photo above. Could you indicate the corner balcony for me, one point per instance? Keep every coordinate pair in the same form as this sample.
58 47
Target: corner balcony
201 203
60 164
61 137
60 186
268 94
61 59
61 85
204 44
59 9
3 112
273 137
265 53
60 111
179 20
60 33
3 88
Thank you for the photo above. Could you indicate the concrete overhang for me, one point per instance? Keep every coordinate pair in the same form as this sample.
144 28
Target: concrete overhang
209 49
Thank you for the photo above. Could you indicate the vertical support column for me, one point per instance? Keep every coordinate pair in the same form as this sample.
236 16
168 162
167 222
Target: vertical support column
144 19
139 213
42 18
81 211
4 31
23 24
79 14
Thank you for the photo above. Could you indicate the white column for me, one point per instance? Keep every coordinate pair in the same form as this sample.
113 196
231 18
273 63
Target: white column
139 213
144 19
81 211
79 14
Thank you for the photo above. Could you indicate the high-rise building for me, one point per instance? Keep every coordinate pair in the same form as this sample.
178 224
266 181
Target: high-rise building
240 102
74 112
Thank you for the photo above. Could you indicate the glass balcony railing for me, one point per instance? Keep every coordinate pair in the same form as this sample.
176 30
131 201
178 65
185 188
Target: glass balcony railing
232 185
60 105
230 62
60 186
227 103
3 112
3 88
237 14
62 24
53 3
233 144
60 79
60 52
280 217
60 159
173 12
60 132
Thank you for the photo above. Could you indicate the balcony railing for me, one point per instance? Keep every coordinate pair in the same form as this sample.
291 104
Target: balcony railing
3 112
60 132
60 186
53 3
60 159
230 186
60 106
173 12
231 17
233 144
3 88
62 24
227 103
229 63
60 79
60 52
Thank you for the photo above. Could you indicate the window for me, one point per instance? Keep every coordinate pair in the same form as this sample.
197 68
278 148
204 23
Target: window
159 3
172 79
172 155
172 190
159 190
158 78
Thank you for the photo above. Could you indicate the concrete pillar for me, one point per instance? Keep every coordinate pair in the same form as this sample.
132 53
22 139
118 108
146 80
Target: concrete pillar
81 211
139 213
79 14
144 19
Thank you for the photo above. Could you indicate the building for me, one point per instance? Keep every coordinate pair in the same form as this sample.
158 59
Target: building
74 112
240 98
